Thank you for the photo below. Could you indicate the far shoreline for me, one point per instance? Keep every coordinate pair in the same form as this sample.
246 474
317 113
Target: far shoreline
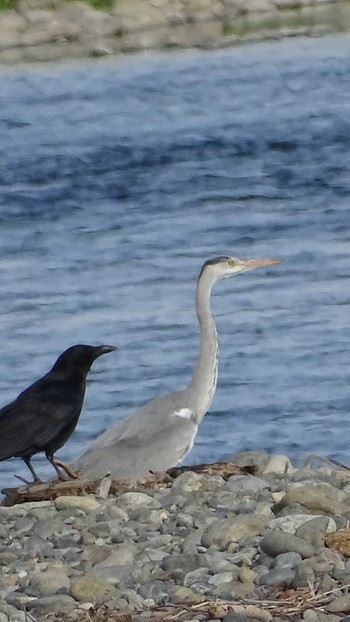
46 31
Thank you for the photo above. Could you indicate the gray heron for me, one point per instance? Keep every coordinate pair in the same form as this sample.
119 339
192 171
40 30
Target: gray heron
161 433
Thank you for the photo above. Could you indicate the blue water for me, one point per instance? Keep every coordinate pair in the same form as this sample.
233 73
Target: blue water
118 179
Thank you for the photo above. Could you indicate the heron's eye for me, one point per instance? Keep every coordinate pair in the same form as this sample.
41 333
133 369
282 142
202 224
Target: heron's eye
232 262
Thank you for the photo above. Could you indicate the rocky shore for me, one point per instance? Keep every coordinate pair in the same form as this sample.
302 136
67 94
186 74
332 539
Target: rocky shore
47 30
273 546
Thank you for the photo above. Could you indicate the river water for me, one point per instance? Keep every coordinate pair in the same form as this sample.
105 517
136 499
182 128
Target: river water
118 179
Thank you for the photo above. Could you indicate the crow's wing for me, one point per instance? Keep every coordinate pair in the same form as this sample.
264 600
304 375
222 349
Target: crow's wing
38 414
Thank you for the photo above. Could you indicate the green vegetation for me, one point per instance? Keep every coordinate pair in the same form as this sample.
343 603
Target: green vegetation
101 4
5 5
238 28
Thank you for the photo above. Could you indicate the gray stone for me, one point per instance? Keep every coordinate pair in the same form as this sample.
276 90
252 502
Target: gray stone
247 575
121 555
19 599
101 530
257 459
86 504
91 22
10 514
278 464
223 532
132 500
314 531
91 589
37 547
339 605
278 576
111 574
157 590
184 520
138 15
191 578
46 528
60 604
239 617
23 526
7 558
276 542
318 497
218 579
185 562
190 482
152 517
287 560
52 581
292 522
110 511
245 484
11 27
304 576
12 613
95 554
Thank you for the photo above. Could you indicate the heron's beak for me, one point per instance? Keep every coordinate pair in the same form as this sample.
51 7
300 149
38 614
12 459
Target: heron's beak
251 264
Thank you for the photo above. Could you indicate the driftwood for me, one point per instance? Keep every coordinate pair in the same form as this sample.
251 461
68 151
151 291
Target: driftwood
52 490
287 604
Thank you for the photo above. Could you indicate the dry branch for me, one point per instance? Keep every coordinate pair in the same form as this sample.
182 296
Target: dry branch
52 490
288 605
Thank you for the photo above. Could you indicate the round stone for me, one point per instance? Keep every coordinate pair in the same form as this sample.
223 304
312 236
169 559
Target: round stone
86 504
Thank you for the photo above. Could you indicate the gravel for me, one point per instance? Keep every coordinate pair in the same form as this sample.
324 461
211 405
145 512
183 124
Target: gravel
202 539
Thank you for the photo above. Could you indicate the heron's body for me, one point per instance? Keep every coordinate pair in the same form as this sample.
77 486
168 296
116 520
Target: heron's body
161 433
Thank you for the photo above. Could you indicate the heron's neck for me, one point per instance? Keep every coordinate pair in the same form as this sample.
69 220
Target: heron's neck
205 375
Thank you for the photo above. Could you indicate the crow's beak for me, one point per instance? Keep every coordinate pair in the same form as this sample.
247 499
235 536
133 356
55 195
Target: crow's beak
105 349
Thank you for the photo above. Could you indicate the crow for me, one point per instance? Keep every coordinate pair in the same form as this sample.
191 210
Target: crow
43 416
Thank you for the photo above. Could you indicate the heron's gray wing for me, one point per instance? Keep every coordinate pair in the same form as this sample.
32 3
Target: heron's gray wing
155 437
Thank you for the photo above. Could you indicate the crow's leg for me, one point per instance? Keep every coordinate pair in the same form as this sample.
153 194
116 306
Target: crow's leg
27 462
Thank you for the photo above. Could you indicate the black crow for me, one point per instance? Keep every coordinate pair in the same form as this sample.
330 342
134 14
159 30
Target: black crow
44 416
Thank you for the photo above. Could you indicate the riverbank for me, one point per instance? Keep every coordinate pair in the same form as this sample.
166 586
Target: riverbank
273 546
48 30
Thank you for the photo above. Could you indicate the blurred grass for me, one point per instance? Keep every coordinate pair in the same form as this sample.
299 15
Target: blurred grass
5 5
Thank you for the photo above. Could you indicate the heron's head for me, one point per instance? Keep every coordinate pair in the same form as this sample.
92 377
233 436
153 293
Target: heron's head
221 267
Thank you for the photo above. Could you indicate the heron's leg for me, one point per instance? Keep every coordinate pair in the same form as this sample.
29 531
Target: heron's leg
36 477
67 469
52 461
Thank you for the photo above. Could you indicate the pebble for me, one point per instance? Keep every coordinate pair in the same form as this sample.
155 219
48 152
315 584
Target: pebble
276 542
223 532
278 576
292 522
340 604
202 539
316 496
287 560
51 582
86 504
278 464
90 588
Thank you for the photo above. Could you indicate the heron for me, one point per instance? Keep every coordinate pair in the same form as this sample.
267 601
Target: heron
160 434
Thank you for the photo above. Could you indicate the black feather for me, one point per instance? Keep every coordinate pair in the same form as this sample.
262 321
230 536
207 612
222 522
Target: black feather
44 416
